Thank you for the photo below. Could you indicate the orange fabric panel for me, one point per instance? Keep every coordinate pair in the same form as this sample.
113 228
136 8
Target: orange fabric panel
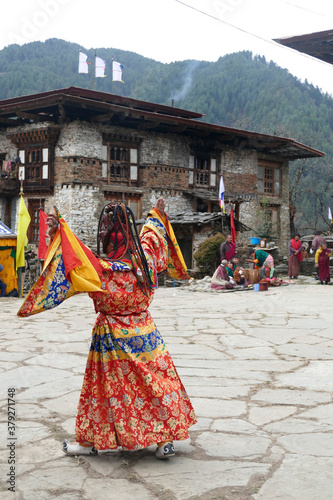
8 274
8 242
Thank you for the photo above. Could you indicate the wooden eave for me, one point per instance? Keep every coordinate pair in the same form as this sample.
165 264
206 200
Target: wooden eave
68 105
104 97
318 45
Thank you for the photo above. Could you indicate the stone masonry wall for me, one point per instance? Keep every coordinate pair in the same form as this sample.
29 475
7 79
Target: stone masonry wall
240 169
163 161
167 181
80 206
163 164
77 169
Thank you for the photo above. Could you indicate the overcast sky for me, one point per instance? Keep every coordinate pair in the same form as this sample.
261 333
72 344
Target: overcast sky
168 30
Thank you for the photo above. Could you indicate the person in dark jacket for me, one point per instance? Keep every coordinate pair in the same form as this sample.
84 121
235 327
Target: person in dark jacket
228 248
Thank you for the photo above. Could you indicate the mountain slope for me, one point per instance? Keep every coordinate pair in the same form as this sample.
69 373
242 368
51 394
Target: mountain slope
238 90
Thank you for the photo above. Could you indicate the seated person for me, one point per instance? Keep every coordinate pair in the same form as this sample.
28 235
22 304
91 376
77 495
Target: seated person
305 253
238 276
235 261
268 274
230 269
220 279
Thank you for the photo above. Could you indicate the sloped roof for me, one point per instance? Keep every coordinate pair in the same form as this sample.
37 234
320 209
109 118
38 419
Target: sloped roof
319 45
73 103
202 218
5 232
199 219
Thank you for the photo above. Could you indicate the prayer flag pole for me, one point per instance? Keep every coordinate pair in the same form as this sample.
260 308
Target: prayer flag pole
221 199
95 72
112 76
232 223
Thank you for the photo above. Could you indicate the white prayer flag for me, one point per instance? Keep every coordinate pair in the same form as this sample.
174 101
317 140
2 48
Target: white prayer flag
330 214
83 65
99 67
117 72
221 194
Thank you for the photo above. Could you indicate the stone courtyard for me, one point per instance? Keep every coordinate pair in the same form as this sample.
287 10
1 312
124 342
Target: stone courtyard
257 366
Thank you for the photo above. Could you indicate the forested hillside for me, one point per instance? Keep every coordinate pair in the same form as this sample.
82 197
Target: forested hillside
239 90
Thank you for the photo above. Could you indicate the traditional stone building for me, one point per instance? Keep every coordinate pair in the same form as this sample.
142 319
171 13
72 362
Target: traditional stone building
77 149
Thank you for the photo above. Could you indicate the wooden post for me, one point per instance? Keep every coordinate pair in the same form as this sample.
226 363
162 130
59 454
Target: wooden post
19 282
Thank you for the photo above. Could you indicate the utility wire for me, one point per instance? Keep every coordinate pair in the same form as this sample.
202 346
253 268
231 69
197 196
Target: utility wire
278 45
305 9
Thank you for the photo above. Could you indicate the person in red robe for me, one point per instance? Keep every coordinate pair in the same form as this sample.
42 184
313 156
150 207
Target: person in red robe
295 256
322 262
228 248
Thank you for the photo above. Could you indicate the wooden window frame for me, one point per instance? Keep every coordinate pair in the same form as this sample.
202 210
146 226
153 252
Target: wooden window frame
35 149
35 164
269 175
34 205
122 163
203 169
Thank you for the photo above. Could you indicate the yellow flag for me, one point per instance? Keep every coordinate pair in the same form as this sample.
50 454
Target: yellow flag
22 228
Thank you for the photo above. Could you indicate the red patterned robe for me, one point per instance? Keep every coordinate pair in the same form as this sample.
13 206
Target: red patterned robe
132 395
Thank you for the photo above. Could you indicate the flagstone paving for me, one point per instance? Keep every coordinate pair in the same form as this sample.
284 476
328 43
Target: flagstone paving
257 366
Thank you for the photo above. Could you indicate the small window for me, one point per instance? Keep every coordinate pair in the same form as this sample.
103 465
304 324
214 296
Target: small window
269 178
202 171
121 165
34 168
34 206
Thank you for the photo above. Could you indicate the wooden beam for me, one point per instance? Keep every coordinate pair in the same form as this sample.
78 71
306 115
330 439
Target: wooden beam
104 117
179 128
62 112
8 121
146 125
29 116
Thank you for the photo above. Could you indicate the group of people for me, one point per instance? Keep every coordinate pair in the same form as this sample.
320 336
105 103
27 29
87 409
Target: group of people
322 258
318 248
230 274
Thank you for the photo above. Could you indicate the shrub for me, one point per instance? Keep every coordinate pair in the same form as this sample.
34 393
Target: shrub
207 256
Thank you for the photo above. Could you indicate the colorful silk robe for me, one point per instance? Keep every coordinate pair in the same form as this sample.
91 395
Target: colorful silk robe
132 395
